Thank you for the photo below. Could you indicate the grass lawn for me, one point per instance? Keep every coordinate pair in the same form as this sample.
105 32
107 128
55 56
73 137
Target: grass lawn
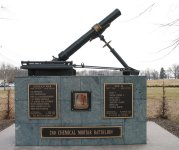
167 82
154 98
157 93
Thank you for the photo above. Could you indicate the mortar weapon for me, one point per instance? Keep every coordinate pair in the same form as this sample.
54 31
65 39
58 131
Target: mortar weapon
60 66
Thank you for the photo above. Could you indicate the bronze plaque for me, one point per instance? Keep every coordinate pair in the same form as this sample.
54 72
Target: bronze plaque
80 100
81 132
42 100
118 100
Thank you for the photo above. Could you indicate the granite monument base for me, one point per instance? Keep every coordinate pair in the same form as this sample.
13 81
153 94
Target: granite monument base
80 110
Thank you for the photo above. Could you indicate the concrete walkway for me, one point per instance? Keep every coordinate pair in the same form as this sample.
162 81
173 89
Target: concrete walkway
157 139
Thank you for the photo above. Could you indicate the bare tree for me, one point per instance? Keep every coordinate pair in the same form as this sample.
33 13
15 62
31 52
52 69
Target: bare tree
168 73
174 23
154 75
9 72
175 43
164 105
175 70
148 74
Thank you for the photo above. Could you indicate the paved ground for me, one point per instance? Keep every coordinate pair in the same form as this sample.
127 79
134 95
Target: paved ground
157 139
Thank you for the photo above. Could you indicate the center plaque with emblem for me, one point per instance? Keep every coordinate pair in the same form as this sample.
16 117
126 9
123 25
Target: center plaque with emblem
42 101
118 100
81 100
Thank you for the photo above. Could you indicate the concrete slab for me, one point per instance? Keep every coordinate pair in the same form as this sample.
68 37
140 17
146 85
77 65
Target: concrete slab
157 139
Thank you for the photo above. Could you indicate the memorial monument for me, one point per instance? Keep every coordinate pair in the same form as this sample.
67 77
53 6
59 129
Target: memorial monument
56 107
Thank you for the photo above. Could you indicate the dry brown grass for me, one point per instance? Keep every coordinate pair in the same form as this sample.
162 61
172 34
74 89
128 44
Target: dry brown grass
167 82
154 99
4 104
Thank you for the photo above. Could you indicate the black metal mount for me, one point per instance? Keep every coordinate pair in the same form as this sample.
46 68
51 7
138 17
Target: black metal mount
128 70
49 68
58 68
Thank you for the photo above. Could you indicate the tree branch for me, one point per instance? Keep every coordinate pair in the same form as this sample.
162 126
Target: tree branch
148 9
174 45
173 23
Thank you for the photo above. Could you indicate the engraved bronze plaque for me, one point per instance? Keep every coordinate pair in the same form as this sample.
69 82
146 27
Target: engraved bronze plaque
118 100
80 100
42 99
81 132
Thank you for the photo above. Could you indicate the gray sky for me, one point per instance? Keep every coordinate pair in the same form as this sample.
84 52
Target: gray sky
36 30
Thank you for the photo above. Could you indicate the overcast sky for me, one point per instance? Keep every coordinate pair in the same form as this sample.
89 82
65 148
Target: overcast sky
36 30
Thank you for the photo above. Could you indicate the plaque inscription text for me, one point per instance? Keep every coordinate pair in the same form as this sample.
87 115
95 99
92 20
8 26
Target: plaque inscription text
118 100
42 100
81 132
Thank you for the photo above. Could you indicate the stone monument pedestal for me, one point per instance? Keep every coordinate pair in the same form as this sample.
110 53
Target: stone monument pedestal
80 110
